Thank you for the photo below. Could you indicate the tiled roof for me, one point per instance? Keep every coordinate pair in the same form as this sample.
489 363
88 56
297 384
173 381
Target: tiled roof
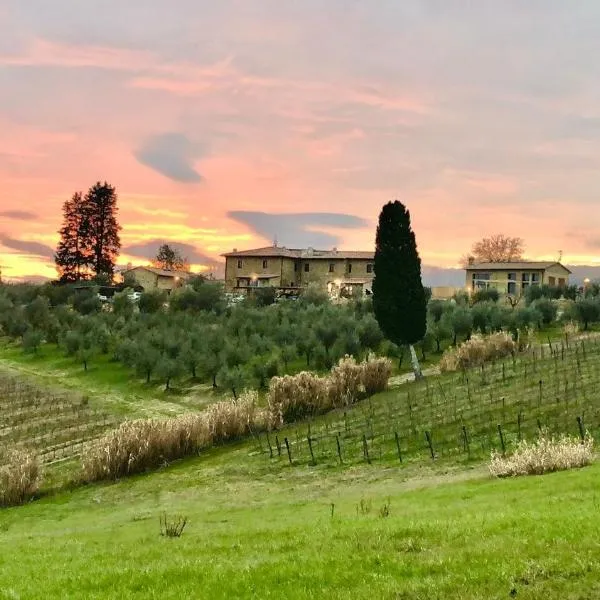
160 272
517 266
307 253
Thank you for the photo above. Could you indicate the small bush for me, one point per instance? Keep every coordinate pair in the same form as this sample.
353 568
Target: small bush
172 528
376 373
20 476
345 383
545 455
477 351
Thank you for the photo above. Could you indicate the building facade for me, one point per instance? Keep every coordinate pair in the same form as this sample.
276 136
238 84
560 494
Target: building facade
513 278
151 278
290 270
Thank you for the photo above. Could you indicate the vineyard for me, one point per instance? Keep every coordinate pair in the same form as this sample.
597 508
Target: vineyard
463 416
55 424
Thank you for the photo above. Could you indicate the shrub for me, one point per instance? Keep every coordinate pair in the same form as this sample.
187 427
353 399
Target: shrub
547 310
295 397
545 455
345 383
477 351
32 340
232 419
376 372
137 446
152 301
20 476
485 295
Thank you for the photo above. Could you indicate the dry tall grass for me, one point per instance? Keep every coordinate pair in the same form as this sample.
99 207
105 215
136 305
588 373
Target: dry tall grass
545 455
294 397
137 446
20 476
477 351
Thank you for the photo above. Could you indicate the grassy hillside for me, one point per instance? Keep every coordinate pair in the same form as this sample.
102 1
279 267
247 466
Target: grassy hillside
255 534
259 527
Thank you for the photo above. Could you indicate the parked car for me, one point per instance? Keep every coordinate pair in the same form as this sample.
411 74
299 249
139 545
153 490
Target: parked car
102 298
134 296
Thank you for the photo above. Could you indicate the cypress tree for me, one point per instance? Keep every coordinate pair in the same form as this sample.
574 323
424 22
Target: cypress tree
398 295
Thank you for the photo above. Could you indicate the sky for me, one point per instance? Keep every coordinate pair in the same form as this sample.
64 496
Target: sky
230 124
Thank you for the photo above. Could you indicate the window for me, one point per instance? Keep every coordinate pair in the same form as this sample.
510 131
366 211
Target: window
296 265
535 279
265 264
481 281
511 288
525 281
562 282
306 267
552 281
369 268
332 267
349 267
240 263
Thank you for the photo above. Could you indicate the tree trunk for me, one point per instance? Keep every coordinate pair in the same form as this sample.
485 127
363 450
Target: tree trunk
415 363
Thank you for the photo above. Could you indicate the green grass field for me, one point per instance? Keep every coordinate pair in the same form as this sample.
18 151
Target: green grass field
256 533
262 528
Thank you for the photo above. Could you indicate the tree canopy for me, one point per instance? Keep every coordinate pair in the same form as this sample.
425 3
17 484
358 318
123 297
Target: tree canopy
496 248
170 259
89 237
399 300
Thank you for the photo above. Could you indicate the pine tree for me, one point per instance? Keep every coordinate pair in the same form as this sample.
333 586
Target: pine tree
398 294
72 253
100 210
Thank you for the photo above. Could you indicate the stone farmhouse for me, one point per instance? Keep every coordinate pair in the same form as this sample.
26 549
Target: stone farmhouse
291 269
151 278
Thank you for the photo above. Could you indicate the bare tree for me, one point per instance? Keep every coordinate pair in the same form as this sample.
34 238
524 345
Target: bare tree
496 248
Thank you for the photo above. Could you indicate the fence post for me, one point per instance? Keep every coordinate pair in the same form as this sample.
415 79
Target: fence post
270 447
366 449
466 441
519 417
312 456
339 448
398 446
501 439
581 429
541 384
287 445
278 445
428 437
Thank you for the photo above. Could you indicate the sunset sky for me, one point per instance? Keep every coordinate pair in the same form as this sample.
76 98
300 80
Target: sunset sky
227 123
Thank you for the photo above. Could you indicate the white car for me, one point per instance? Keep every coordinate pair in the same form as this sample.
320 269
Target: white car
134 296
102 298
